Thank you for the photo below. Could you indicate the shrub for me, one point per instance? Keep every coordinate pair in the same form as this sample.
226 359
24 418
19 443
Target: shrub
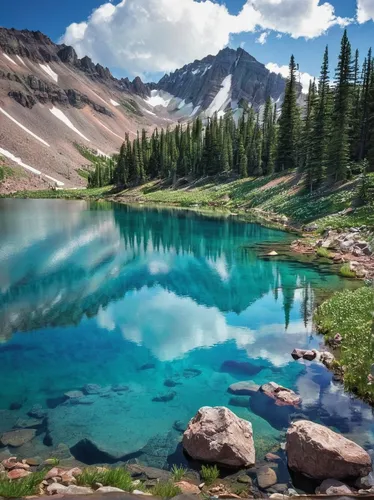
26 486
178 472
350 313
209 473
346 271
118 477
166 489
323 252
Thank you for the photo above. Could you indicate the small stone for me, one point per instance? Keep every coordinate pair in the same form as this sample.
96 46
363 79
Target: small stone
28 423
327 358
243 388
139 492
18 473
56 488
271 457
277 496
188 488
77 490
120 388
109 489
272 254
292 493
11 464
298 354
365 483
34 462
266 477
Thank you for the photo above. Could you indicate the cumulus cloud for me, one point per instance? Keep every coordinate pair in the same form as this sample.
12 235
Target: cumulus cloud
304 78
162 35
262 38
365 10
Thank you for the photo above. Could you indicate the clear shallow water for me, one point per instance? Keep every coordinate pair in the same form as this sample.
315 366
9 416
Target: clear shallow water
112 295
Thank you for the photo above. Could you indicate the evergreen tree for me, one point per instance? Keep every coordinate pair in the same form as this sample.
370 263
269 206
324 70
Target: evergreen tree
288 138
339 154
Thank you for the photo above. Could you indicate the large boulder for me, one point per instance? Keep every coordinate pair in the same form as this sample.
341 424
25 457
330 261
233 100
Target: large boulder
243 388
218 435
18 437
320 453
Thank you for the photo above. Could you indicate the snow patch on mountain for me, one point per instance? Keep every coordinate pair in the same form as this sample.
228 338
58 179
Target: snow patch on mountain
115 103
21 60
47 69
222 98
108 129
195 110
9 59
61 116
159 98
18 160
23 127
149 112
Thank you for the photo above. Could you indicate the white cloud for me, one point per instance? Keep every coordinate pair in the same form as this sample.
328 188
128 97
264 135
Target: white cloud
304 78
365 10
262 38
162 35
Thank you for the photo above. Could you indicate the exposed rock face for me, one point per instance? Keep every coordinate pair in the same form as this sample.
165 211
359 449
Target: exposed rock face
328 454
200 81
217 435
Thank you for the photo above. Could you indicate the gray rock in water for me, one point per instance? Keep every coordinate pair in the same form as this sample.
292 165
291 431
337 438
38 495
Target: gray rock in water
243 388
333 487
37 411
266 477
165 398
91 389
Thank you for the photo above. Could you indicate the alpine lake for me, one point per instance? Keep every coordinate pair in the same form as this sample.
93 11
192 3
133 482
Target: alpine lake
152 314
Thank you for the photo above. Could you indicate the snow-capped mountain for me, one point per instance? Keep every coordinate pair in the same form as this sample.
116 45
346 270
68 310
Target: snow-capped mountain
50 101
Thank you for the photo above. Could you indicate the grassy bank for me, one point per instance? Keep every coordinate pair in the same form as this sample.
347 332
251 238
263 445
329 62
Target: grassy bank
350 313
276 194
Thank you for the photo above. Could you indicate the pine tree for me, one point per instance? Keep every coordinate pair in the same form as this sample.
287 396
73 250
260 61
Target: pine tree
321 127
370 154
307 139
242 160
339 153
364 106
287 157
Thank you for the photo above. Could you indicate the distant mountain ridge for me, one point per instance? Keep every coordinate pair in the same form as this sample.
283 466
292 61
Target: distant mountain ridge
50 100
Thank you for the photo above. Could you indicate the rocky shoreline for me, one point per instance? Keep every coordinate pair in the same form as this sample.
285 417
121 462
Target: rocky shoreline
215 435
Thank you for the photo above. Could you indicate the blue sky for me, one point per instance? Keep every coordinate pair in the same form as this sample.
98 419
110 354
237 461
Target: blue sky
115 38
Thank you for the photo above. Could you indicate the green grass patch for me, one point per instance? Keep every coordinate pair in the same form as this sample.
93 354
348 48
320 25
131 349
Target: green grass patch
350 313
117 477
66 194
132 107
346 271
166 489
209 473
178 472
26 486
323 252
84 173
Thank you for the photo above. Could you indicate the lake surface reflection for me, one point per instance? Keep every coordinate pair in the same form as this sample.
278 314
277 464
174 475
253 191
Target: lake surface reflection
150 305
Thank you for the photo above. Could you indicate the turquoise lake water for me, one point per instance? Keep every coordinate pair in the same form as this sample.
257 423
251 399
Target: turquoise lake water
162 309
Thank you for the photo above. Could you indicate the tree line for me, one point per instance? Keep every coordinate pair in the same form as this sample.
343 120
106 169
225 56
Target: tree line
329 138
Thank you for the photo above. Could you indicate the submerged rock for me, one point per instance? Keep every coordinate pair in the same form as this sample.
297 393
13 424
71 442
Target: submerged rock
281 395
333 487
191 373
120 388
15 406
240 367
218 435
74 394
171 383
37 411
90 389
165 398
243 388
148 366
266 477
329 454
28 423
18 437
180 426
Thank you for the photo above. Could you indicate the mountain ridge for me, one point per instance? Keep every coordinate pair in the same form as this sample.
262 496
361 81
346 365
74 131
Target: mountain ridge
50 100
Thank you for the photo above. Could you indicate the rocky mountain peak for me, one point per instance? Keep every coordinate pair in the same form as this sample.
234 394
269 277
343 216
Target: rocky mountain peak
240 75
